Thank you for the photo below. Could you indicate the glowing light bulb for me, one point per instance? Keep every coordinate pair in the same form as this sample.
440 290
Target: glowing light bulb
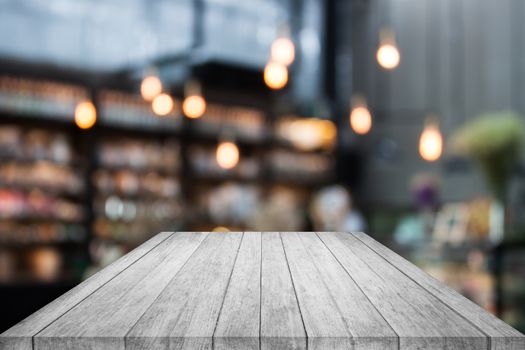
431 142
283 51
162 104
227 155
388 56
361 120
360 117
275 75
150 87
85 115
194 106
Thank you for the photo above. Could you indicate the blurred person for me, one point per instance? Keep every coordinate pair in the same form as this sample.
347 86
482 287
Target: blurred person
331 210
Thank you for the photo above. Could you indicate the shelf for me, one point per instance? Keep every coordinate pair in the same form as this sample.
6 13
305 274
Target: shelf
38 116
286 145
56 192
32 160
205 221
227 177
146 197
298 181
40 219
214 137
255 138
140 170
32 245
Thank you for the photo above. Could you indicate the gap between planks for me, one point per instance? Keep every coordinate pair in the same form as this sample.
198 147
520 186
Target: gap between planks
168 235
362 241
489 340
295 291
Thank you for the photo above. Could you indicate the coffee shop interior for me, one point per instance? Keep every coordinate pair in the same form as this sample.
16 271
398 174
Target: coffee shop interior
404 119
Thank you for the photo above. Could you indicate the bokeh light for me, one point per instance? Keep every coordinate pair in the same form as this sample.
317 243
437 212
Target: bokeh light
431 143
150 87
360 120
194 106
162 104
85 115
283 51
227 155
275 75
388 56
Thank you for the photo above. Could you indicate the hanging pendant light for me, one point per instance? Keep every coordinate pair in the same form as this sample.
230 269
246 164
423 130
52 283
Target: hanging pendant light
282 54
360 117
85 115
283 51
151 85
162 105
387 54
275 75
431 141
194 104
283 48
227 154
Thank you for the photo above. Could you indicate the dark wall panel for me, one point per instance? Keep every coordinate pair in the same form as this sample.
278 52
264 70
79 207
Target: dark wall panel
458 59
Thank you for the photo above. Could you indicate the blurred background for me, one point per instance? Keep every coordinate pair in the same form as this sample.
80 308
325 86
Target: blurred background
123 118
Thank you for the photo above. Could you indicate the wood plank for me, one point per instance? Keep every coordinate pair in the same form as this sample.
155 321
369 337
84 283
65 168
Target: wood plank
281 323
324 322
239 320
368 328
185 314
420 319
266 291
502 335
19 337
103 319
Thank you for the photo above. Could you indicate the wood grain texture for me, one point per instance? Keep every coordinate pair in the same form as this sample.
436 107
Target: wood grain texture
419 319
269 290
103 319
239 322
281 323
324 322
19 337
502 335
185 315
368 328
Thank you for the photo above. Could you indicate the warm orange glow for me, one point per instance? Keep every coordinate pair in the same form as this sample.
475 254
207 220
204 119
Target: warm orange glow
431 143
85 115
194 106
162 104
151 87
227 155
310 134
388 56
221 229
283 51
360 120
275 75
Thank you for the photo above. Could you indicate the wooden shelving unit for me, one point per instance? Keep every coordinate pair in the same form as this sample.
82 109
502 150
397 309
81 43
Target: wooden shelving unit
177 131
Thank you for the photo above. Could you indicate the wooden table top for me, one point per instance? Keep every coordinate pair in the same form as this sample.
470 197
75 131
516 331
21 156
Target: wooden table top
261 290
